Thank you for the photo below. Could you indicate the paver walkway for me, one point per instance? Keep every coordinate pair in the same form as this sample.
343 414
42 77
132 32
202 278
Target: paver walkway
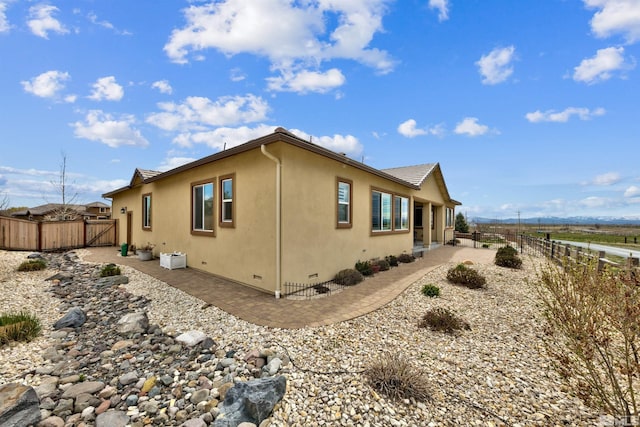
265 310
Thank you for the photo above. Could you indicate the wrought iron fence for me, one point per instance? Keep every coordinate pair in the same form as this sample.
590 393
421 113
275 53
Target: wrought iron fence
304 291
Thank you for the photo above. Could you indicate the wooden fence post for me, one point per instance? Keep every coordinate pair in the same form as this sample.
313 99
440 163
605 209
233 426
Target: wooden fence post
632 264
601 261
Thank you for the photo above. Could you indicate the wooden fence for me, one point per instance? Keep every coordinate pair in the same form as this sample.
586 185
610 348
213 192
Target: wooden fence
22 235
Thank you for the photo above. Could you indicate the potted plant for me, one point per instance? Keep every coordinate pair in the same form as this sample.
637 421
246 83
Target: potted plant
145 252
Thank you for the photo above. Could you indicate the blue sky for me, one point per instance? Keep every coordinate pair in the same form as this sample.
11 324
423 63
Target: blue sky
530 107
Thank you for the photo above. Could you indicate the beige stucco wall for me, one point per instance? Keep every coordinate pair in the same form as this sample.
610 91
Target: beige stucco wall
313 248
244 253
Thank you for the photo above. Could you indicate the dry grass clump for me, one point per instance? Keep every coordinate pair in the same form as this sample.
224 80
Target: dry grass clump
33 265
443 320
394 376
18 327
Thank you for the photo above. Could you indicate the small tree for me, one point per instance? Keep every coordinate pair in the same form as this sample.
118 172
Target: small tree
461 224
4 204
65 210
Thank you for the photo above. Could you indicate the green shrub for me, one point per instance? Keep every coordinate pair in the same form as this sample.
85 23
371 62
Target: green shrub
395 377
392 260
364 267
383 265
507 256
348 277
33 265
485 245
442 320
18 327
465 276
406 258
110 270
431 290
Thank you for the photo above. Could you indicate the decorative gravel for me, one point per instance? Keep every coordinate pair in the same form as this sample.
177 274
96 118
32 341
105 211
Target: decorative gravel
497 373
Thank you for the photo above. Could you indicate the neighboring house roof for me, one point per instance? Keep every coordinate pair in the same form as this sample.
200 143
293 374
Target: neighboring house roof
97 205
49 208
279 135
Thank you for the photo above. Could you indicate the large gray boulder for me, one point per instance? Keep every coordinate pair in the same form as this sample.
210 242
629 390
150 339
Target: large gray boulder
133 323
73 319
251 401
19 405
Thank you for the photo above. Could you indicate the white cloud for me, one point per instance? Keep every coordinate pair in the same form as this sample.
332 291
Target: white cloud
163 86
495 67
307 81
199 113
106 88
469 126
237 75
616 17
409 129
594 202
46 85
42 22
223 137
173 162
563 116
632 191
606 179
601 66
347 144
114 132
294 36
106 24
442 6
4 22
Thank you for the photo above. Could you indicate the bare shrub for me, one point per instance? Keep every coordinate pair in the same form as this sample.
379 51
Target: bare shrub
348 277
593 328
442 320
395 377
465 276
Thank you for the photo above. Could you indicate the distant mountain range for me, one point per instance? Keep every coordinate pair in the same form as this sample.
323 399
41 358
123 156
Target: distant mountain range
574 220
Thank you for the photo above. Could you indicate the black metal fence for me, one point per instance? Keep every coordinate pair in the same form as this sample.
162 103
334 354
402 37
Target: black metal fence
304 291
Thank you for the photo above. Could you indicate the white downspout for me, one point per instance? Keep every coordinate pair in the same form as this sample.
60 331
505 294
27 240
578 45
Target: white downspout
278 217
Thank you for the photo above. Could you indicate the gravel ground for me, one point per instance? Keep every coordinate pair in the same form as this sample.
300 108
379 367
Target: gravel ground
497 373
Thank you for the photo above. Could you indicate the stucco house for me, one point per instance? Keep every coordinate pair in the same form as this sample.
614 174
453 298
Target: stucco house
280 209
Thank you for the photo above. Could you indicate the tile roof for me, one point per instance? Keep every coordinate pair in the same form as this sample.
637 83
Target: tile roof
147 173
412 174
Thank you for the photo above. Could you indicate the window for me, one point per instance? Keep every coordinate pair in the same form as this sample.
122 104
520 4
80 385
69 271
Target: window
400 213
227 195
380 211
449 217
344 203
146 211
389 212
202 199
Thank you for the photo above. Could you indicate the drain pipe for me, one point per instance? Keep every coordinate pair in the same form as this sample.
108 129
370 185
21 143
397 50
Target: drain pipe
278 217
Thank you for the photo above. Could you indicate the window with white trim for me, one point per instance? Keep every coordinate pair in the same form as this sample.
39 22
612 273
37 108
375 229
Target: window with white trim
344 203
203 207
400 213
380 211
227 196
146 211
